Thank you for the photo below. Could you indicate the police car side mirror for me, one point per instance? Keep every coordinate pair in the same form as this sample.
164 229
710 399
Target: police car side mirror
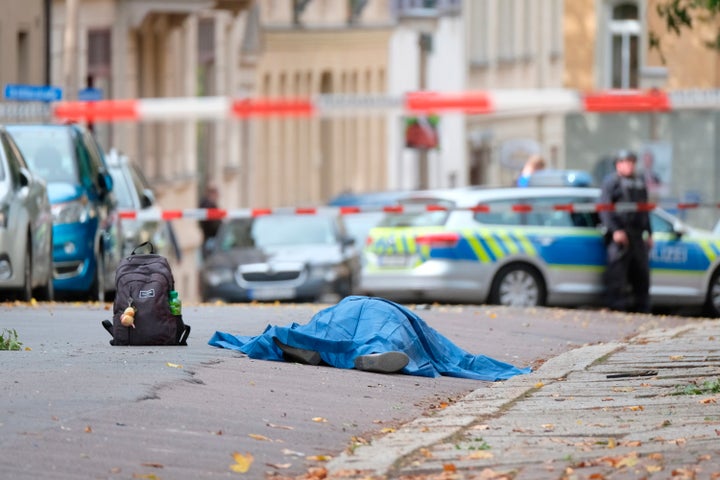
679 229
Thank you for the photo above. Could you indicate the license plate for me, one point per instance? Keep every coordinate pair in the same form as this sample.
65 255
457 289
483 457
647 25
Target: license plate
397 261
271 293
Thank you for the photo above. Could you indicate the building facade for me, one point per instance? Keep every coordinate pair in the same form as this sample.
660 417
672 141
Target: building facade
23 37
607 46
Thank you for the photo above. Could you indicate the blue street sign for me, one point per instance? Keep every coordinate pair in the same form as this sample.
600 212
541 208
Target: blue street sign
32 93
90 94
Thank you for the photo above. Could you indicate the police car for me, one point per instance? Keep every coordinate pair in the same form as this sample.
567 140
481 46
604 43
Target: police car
526 247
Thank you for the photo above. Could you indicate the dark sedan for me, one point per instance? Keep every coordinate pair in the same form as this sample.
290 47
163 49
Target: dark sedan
281 257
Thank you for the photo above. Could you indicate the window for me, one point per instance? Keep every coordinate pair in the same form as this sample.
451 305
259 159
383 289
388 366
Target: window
99 53
23 57
623 46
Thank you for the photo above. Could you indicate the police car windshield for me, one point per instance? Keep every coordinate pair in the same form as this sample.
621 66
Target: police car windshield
416 216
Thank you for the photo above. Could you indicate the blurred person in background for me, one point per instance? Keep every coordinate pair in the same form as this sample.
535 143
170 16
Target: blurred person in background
532 165
209 199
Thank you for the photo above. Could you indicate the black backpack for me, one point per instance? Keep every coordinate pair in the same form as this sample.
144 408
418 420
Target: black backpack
144 281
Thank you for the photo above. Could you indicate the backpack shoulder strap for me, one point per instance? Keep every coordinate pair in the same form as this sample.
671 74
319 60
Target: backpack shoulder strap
150 247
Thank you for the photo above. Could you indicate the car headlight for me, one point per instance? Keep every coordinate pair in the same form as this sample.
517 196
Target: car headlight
217 276
328 272
76 211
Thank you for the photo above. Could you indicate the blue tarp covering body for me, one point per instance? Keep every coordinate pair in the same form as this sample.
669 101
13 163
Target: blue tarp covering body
360 325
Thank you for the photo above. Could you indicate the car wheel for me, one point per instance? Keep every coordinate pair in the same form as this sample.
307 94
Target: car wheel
712 303
97 290
25 294
518 286
47 291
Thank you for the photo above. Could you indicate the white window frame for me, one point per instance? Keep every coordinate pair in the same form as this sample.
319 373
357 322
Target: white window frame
625 30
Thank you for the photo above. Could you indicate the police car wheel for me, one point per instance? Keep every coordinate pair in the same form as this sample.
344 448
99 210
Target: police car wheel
712 304
518 286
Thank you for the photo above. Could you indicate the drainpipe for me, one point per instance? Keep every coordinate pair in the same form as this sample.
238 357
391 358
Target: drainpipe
47 11
70 44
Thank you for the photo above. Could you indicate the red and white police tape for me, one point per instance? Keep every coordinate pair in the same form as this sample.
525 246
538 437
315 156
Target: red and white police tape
500 102
220 214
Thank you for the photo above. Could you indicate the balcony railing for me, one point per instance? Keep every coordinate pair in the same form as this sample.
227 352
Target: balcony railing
426 8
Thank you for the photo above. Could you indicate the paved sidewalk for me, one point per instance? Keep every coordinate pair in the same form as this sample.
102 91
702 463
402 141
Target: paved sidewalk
602 411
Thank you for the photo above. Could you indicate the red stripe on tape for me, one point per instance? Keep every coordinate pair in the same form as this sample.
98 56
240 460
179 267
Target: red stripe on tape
272 107
306 211
259 212
127 214
604 207
522 208
428 102
349 210
101 110
172 214
480 209
216 213
653 101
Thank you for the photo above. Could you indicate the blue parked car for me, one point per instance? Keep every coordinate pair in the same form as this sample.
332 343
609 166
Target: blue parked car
87 245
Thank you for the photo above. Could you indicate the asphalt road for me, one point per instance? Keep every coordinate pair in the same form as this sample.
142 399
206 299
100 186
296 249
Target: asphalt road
72 406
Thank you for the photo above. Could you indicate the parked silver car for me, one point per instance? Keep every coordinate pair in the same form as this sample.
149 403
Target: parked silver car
26 228
281 257
134 193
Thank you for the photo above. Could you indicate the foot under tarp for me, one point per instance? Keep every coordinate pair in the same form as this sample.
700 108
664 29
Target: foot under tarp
360 325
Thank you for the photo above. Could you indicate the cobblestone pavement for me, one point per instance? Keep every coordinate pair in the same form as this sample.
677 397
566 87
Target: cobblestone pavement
643 409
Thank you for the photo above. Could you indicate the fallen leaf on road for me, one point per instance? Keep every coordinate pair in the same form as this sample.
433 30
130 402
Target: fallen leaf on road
480 455
242 462
319 419
675 358
387 430
449 467
284 427
88 429
539 385
287 451
255 436
653 468
426 453
153 465
708 400
148 476
279 466
173 365
635 408
319 458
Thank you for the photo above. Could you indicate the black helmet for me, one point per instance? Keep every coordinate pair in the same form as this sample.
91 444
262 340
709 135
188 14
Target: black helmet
629 154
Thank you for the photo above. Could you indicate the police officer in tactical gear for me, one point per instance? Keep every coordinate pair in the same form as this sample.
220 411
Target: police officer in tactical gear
628 236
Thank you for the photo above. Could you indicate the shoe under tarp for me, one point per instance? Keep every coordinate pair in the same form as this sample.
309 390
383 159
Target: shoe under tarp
359 325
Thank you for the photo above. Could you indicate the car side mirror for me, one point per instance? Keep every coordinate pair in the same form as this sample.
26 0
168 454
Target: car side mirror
25 177
679 229
348 241
105 181
147 199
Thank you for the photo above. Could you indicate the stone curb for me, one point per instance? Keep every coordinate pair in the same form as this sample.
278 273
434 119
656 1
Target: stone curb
376 460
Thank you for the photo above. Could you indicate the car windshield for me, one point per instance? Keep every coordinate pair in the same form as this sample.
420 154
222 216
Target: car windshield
121 188
48 152
415 216
276 230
